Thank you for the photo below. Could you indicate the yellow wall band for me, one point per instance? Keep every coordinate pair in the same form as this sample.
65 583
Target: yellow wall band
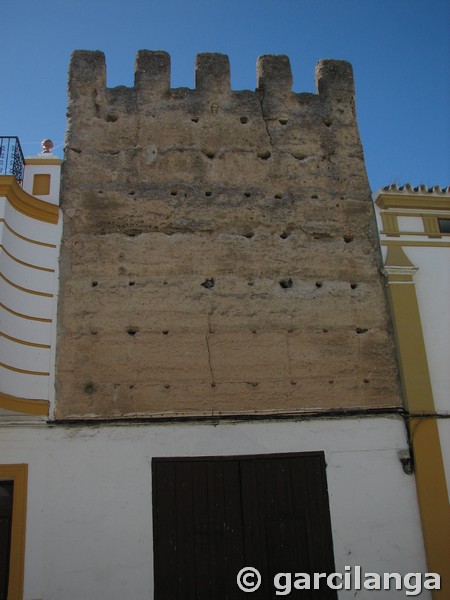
440 214
420 202
43 161
23 371
24 342
416 382
26 290
25 264
25 203
415 243
26 406
22 316
26 239
408 332
427 233
433 499
399 278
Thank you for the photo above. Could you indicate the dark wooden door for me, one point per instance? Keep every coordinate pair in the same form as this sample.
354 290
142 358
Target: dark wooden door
6 504
214 516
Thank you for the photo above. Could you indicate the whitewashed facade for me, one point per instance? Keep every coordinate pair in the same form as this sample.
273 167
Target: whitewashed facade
88 503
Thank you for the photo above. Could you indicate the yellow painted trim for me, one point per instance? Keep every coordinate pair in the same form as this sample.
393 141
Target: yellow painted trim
27 204
22 316
26 290
24 405
419 212
431 226
26 239
25 264
390 224
24 342
23 371
41 184
18 474
416 382
431 202
412 355
397 258
399 278
415 243
418 233
43 161
433 499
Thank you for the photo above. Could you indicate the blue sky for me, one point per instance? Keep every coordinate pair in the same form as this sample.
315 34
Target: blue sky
400 51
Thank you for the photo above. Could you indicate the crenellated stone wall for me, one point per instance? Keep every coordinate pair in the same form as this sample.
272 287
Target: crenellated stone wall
219 254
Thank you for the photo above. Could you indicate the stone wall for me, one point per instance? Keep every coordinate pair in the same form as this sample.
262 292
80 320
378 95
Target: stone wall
218 252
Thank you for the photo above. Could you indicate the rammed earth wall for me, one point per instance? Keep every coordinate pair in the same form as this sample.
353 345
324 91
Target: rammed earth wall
219 253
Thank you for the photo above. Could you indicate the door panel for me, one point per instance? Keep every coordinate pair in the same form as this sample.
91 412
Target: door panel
6 505
214 516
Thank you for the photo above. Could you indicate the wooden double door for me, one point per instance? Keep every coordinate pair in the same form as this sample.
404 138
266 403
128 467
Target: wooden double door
214 516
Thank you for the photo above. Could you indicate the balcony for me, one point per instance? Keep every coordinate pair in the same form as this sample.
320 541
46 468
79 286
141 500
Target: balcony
12 161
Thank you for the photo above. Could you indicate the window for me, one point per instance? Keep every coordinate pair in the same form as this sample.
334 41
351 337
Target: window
444 225
13 501
214 516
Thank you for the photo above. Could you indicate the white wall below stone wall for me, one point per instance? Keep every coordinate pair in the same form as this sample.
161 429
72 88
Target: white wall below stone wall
89 524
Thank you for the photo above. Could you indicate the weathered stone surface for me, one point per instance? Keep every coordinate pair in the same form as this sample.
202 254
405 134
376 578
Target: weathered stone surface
218 250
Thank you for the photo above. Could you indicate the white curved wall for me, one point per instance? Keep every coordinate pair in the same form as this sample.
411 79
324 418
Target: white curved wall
29 248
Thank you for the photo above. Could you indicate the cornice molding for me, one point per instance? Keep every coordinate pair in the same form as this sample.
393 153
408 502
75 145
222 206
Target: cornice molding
27 204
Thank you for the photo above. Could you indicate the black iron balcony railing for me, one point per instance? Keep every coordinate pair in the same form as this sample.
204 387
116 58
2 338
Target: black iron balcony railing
11 157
